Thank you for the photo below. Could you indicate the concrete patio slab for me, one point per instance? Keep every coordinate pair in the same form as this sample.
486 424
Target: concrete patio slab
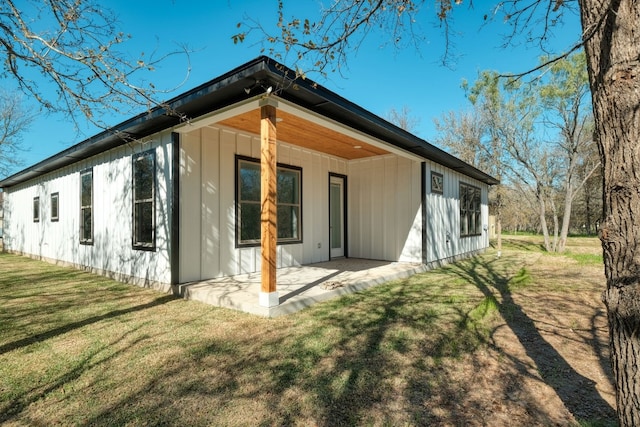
298 287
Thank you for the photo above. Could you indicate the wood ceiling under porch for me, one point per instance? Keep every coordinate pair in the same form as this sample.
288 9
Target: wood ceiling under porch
302 132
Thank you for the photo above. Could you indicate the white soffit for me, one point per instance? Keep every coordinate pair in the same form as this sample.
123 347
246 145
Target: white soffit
219 115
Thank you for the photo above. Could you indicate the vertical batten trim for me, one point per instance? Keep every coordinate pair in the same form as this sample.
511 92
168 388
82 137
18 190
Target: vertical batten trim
423 202
174 246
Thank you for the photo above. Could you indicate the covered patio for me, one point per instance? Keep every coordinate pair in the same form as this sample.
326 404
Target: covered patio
298 287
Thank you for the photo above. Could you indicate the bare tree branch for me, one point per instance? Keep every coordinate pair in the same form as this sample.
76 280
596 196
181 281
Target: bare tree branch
326 44
14 120
71 45
339 32
403 118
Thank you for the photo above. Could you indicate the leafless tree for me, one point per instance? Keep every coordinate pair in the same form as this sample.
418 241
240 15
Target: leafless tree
64 54
463 133
589 198
14 121
514 218
403 119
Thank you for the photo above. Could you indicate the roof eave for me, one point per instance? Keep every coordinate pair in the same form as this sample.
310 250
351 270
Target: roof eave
228 89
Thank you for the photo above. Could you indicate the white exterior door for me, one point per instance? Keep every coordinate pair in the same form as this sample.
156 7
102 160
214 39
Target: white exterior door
336 216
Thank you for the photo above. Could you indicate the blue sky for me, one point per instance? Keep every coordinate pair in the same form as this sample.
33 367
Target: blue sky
379 77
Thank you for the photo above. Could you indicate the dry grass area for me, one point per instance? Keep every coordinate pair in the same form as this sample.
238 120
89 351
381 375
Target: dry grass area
516 340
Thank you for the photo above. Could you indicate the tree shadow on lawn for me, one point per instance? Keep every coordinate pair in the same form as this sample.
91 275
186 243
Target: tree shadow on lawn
68 327
368 358
577 392
519 244
90 360
334 368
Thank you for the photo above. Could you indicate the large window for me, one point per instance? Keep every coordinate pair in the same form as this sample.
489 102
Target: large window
86 207
36 209
289 203
55 197
470 213
144 183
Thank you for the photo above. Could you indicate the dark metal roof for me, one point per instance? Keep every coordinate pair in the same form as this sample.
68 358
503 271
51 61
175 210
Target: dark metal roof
228 89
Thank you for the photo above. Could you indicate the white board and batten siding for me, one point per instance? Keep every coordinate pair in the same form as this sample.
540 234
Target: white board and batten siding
444 242
385 212
111 253
207 204
385 215
384 198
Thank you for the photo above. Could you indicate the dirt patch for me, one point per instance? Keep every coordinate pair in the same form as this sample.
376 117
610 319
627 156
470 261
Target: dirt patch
552 342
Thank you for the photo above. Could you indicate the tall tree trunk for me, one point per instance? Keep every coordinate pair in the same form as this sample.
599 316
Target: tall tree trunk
587 208
499 232
499 216
566 218
543 220
554 217
612 43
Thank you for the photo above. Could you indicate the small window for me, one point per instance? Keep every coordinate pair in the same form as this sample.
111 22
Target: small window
144 183
86 207
437 186
248 218
54 207
289 203
470 212
36 209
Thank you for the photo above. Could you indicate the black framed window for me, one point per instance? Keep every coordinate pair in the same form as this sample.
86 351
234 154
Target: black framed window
55 197
289 203
470 212
36 209
144 189
86 207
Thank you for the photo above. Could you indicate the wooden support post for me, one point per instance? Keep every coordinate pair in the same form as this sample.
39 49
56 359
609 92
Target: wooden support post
268 198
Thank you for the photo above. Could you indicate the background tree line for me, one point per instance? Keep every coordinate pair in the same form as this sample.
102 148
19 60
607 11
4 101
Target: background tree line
537 138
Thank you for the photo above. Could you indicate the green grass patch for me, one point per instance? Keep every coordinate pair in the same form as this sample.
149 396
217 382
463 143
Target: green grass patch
488 306
522 279
597 423
81 349
517 243
586 258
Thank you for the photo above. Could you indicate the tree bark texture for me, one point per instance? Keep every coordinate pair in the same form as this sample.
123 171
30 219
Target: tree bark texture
554 218
611 30
542 213
566 216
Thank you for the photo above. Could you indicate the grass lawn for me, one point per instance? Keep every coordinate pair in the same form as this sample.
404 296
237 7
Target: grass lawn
516 340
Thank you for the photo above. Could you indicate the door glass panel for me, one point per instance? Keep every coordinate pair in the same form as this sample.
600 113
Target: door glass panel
336 216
